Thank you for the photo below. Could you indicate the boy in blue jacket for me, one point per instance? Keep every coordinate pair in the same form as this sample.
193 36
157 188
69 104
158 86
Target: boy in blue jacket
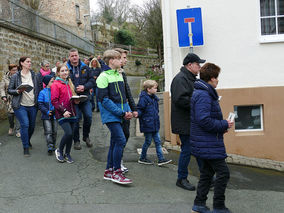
48 114
148 113
113 108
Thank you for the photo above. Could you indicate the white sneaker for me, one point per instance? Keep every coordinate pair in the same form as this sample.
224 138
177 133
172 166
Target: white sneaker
123 168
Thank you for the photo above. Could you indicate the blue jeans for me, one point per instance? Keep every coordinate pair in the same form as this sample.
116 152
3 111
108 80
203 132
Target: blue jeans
147 143
66 140
86 109
94 97
117 143
184 157
27 119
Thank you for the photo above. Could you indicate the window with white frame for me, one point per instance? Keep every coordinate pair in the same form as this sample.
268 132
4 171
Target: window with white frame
272 18
248 118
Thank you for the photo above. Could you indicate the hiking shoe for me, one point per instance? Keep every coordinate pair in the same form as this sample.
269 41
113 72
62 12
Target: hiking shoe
88 142
108 174
77 145
59 156
68 158
200 209
18 135
145 161
185 184
119 178
224 210
26 152
123 168
163 162
50 149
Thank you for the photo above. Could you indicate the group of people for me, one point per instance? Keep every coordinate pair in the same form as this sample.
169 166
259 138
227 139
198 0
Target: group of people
195 115
197 118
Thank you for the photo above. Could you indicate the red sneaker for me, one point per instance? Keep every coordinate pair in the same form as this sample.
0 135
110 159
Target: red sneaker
119 178
108 174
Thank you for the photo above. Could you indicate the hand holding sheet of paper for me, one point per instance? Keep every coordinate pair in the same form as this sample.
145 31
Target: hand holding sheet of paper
231 119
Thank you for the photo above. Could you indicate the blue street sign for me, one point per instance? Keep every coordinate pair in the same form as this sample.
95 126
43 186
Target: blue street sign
189 22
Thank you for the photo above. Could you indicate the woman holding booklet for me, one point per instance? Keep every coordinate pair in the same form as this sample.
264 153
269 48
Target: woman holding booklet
206 139
24 101
62 91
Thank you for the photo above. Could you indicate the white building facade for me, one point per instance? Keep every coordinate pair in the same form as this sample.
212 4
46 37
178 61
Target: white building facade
246 39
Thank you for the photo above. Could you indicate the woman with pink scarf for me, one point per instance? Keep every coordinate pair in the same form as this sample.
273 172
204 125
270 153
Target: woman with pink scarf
45 70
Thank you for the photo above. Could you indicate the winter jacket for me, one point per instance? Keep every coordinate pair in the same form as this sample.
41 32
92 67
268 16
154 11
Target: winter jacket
85 77
181 92
40 77
16 81
95 73
148 112
44 104
4 92
111 96
60 99
207 124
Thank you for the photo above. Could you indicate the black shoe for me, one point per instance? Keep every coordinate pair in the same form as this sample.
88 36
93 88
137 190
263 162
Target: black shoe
185 184
77 145
26 152
88 142
31 146
98 110
145 161
163 162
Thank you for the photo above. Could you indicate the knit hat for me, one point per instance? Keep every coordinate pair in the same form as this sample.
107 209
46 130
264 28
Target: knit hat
46 79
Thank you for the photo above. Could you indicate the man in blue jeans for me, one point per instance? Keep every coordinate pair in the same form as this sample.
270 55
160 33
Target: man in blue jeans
181 92
83 81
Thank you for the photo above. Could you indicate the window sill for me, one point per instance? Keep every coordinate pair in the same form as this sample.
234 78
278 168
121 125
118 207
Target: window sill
271 39
249 133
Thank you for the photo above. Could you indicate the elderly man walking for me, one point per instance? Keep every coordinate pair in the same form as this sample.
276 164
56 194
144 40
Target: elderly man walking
181 91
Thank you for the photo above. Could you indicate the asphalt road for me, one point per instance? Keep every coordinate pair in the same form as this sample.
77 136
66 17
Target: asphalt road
40 184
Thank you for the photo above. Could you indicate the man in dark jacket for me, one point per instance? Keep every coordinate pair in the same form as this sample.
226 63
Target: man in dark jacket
83 81
181 92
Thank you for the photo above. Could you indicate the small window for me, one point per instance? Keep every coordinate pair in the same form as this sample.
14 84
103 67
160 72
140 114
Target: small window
248 118
77 12
272 20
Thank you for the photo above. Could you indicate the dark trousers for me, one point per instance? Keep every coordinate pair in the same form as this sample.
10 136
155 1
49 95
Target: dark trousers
86 109
66 140
117 143
50 131
209 168
184 157
125 127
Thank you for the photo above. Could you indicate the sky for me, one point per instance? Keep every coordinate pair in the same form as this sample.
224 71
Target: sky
93 3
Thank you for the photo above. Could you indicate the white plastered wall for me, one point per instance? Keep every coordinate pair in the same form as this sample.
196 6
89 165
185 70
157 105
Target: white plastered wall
231 31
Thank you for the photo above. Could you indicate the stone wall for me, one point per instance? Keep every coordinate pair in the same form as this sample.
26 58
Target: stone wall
64 12
13 45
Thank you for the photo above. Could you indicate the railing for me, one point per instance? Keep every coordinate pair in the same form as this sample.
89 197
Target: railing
132 49
24 18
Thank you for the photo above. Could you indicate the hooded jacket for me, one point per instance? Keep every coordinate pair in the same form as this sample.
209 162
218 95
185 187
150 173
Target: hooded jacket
60 99
148 112
111 96
85 77
207 124
44 104
181 92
